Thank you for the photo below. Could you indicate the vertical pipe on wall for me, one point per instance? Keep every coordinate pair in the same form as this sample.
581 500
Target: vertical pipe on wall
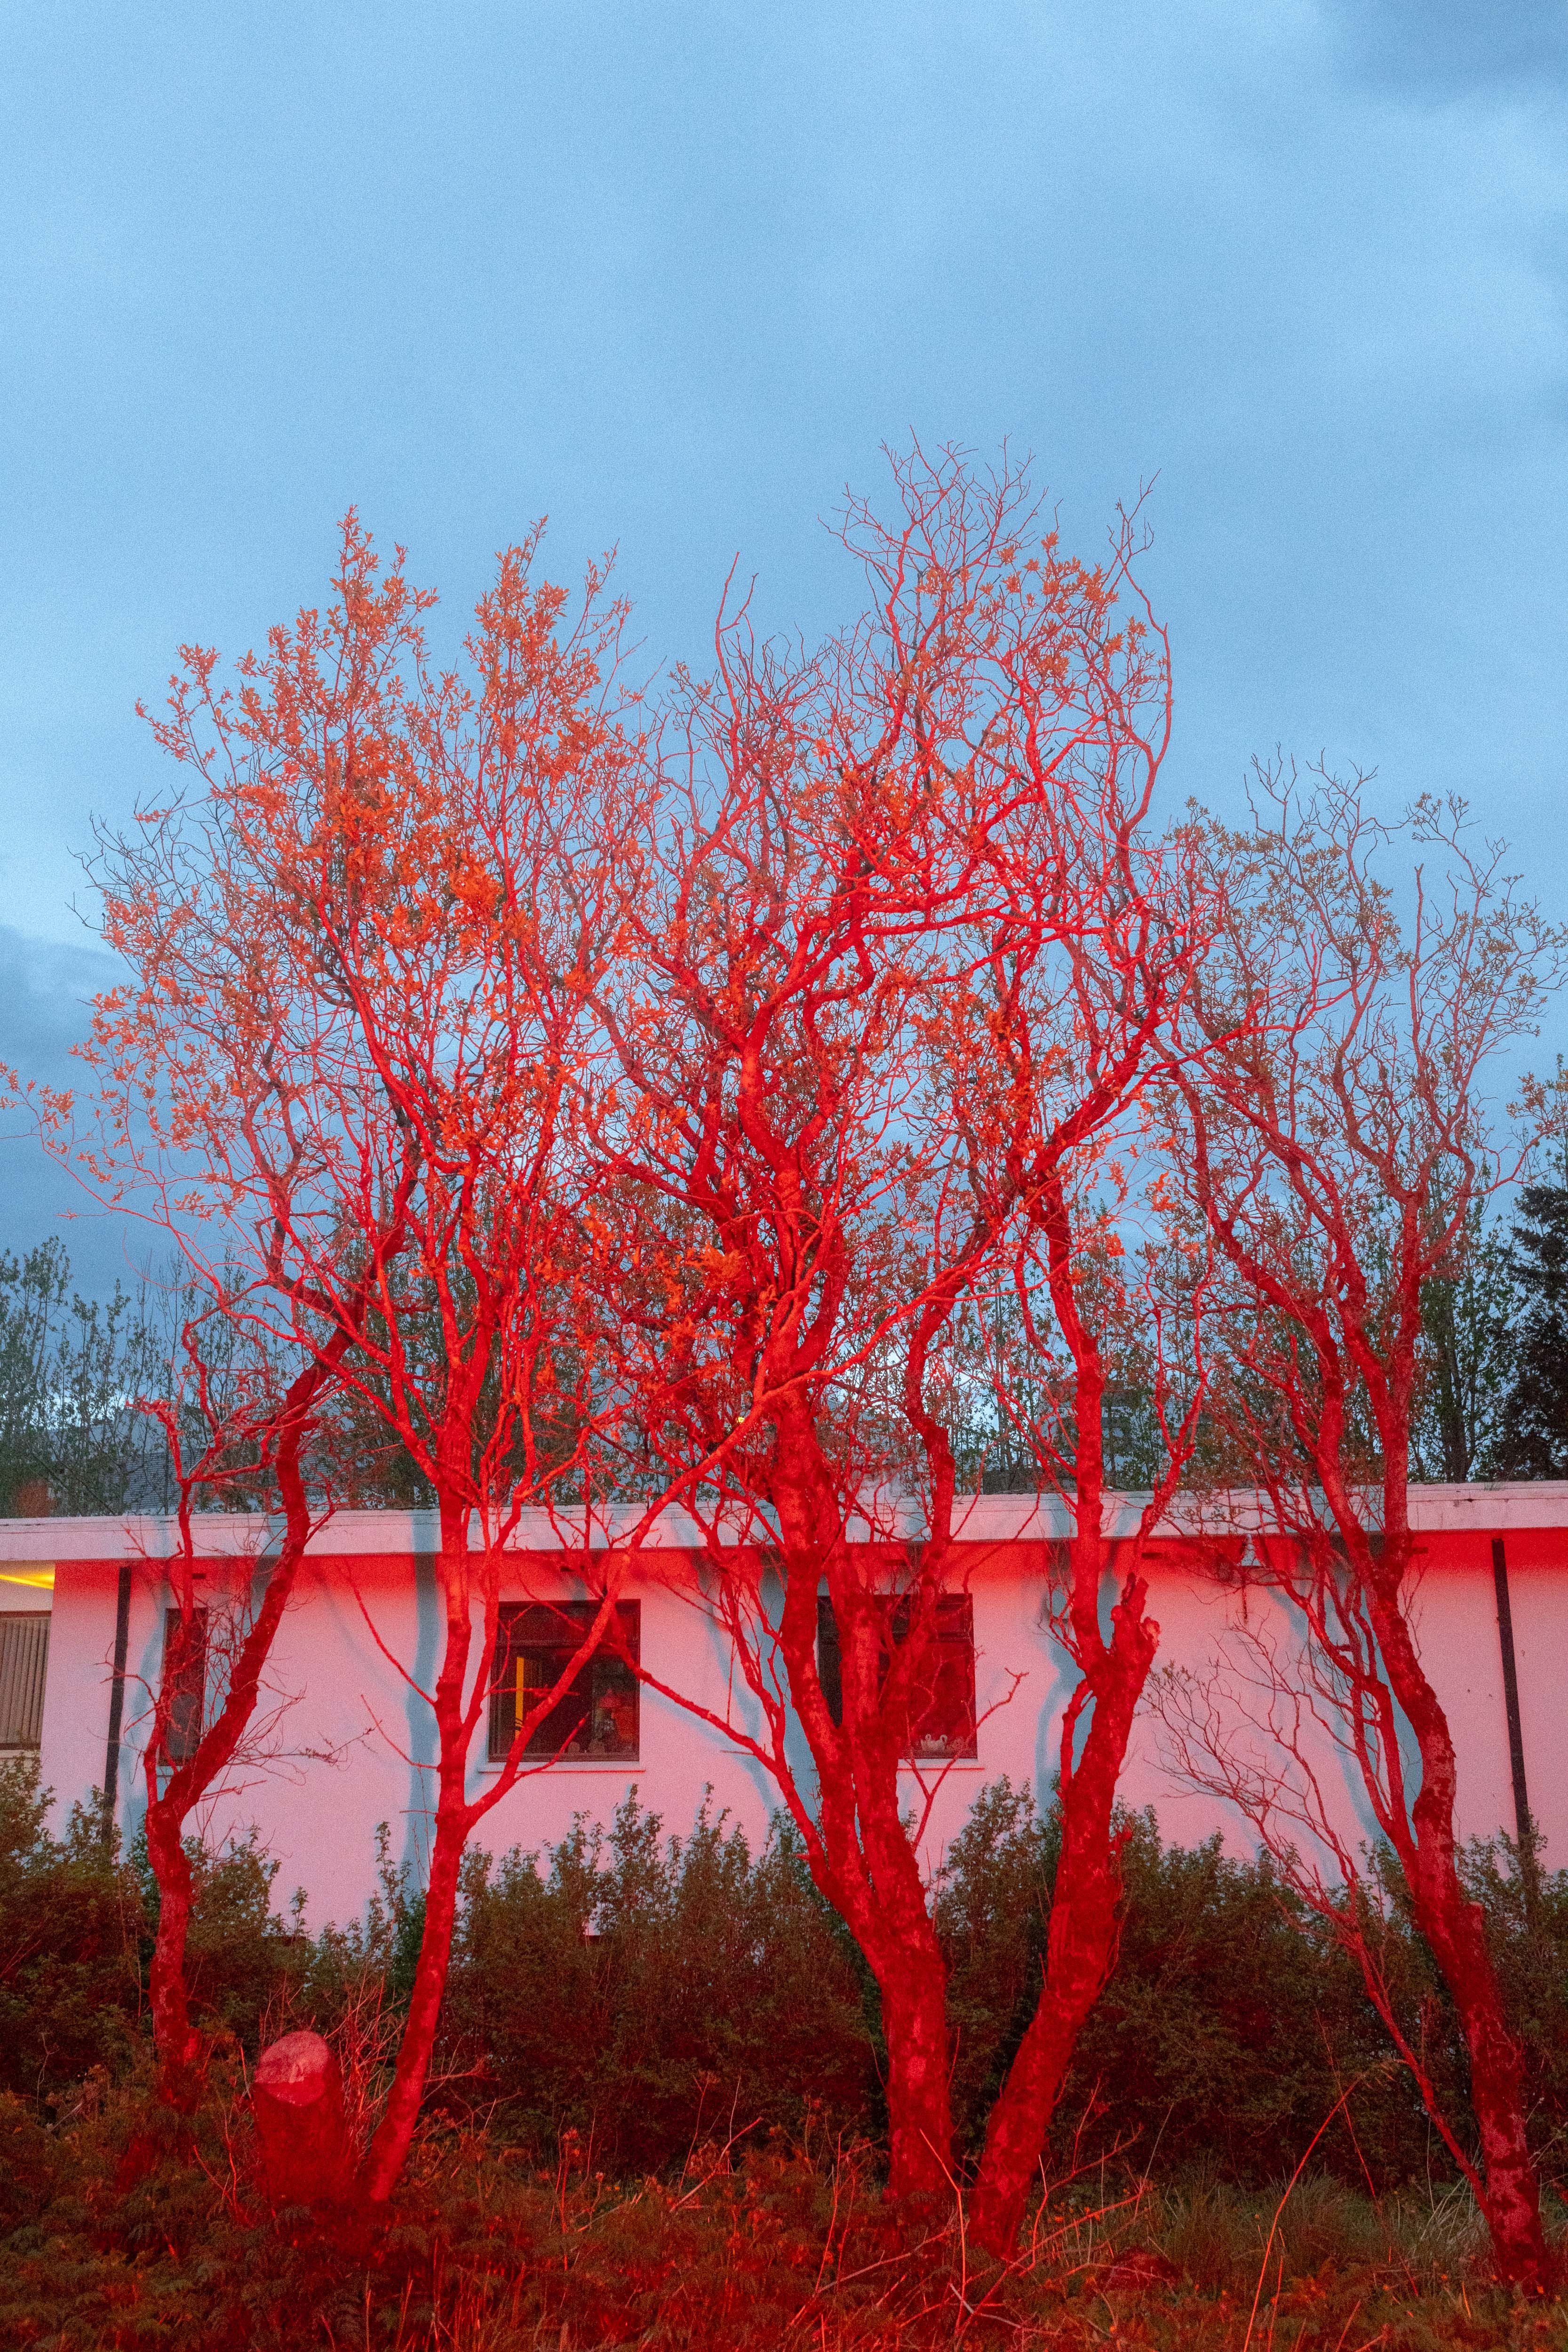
1515 1728
116 1701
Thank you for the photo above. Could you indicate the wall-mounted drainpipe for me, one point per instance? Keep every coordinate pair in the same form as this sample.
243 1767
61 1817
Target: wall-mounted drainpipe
116 1702
1522 1826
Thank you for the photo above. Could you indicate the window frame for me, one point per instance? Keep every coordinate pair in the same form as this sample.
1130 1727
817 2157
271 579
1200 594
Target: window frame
619 1652
959 1610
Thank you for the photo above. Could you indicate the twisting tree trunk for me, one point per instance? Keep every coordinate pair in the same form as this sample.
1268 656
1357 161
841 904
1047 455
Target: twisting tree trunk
176 1785
177 2043
1455 1928
1085 1904
387 2153
856 1838
1086 1921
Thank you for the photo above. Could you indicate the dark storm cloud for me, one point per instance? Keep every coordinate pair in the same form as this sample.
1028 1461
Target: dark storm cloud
45 988
44 993
1449 48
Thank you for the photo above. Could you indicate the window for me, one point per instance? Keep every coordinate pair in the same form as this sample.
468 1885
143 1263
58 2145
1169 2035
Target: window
942 1715
187 1694
24 1659
597 1716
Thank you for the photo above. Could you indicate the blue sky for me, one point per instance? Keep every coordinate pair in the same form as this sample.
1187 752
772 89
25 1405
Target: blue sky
670 273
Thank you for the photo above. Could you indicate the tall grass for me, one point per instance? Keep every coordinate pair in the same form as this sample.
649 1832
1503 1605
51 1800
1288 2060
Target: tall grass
140 2230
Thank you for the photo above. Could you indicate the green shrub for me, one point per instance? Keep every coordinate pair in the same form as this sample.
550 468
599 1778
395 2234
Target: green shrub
648 1993
71 1929
1231 2026
245 1964
27 2161
1527 1926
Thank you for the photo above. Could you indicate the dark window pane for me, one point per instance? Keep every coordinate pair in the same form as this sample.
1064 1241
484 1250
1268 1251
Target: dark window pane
597 1714
830 1659
941 1706
187 1692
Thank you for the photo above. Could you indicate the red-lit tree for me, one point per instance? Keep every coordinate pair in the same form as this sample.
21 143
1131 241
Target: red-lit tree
362 944
1089 1312
240 1413
233 1438
904 962
1335 1152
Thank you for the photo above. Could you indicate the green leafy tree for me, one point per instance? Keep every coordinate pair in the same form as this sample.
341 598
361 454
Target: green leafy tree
1532 1439
1467 1351
71 1370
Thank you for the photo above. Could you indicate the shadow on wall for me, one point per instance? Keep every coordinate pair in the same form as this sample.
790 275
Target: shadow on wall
422 1735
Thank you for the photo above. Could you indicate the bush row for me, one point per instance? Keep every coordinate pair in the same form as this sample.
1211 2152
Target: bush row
645 1992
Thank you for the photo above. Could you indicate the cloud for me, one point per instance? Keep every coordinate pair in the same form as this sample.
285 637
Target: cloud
1444 49
44 993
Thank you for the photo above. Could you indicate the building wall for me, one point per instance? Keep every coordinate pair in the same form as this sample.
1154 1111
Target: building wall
343 1742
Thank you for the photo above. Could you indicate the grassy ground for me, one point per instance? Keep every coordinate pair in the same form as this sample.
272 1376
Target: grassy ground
128 2231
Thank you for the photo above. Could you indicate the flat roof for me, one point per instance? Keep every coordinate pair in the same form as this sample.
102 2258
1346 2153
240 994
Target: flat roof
981 1518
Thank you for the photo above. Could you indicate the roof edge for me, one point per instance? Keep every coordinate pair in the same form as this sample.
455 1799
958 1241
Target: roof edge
1493 1508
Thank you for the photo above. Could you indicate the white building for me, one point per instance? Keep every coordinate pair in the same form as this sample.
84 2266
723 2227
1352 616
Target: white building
343 1741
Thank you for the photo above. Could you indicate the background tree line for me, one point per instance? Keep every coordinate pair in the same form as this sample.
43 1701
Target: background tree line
75 1372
